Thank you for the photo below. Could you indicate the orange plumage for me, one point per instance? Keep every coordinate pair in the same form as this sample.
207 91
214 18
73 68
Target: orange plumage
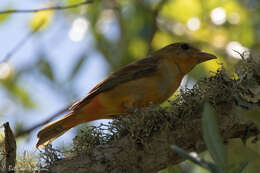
151 80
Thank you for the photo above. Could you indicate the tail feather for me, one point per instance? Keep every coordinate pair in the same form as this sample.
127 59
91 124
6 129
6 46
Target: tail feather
55 129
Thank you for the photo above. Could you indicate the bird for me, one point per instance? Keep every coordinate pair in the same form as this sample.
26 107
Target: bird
151 80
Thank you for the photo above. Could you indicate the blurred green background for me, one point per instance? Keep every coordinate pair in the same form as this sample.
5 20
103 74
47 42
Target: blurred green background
72 50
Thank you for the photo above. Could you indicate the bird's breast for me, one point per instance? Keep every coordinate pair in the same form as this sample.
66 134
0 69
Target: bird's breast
170 80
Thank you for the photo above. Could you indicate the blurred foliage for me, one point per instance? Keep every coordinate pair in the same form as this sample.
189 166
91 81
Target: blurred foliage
212 137
77 67
42 19
17 91
194 158
4 17
124 31
45 68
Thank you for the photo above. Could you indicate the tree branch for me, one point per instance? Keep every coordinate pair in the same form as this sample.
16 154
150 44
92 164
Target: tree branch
48 9
141 142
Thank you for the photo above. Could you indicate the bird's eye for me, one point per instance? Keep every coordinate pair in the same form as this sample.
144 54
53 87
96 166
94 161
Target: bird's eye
185 46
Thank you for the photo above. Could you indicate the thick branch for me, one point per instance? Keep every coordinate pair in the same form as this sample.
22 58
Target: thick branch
141 142
121 155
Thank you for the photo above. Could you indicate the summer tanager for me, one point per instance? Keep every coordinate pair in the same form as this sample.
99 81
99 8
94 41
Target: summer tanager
151 80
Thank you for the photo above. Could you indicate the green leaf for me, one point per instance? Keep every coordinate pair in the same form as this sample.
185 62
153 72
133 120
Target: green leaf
23 95
46 69
211 135
77 67
252 114
242 166
197 160
5 16
73 2
41 20
18 92
173 169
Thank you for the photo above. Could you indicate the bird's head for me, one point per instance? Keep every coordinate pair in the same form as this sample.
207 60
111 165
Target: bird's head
185 55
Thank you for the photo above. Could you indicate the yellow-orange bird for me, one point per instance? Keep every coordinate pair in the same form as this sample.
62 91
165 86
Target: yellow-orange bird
150 80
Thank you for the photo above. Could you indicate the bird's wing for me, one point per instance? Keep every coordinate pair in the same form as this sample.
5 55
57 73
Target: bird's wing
138 69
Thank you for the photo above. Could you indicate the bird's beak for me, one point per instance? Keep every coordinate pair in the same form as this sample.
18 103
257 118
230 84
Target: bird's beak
204 56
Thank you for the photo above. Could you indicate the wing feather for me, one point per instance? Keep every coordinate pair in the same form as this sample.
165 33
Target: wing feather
138 69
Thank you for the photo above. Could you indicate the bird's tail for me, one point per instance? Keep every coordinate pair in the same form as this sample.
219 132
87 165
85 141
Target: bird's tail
57 128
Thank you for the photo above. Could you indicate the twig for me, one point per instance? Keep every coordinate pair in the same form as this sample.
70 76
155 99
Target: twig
10 148
47 9
28 36
21 43
27 131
